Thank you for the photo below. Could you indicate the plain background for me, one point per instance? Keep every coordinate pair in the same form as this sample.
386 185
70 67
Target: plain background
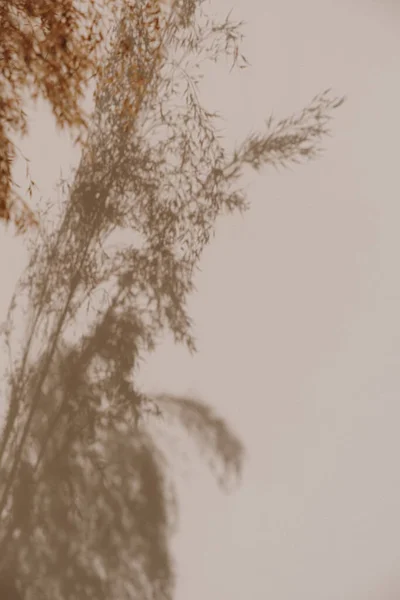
296 317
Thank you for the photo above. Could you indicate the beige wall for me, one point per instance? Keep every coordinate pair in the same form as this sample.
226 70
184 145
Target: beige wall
297 318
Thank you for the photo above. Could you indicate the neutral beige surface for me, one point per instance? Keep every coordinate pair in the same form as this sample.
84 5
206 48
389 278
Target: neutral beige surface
297 318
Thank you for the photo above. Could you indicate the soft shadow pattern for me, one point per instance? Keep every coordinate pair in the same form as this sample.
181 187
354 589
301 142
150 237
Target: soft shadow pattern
86 497
93 514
